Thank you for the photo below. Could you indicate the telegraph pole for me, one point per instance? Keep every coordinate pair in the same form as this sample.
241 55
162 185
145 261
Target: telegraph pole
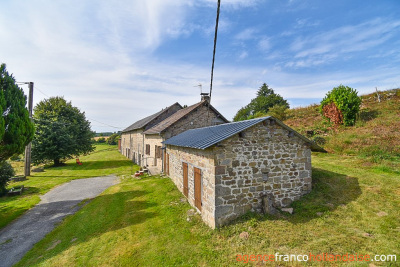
28 147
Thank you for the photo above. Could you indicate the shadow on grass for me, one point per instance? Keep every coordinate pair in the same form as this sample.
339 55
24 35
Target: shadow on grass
92 165
367 115
329 191
105 213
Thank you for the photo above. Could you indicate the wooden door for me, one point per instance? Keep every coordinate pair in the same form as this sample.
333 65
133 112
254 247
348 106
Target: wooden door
197 188
185 179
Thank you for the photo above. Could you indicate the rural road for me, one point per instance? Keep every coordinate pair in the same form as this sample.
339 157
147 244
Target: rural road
19 237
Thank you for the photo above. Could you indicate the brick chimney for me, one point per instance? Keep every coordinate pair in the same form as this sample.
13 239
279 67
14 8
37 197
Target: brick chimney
205 96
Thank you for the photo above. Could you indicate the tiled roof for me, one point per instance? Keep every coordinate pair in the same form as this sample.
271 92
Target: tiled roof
163 125
144 122
203 138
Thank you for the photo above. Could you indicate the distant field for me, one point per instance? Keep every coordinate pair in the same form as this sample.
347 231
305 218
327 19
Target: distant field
98 137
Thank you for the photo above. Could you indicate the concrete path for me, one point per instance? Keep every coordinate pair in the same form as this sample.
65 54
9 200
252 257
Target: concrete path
19 237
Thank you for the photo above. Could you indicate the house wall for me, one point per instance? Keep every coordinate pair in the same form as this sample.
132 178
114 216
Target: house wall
133 141
266 151
153 140
196 119
201 117
233 172
204 160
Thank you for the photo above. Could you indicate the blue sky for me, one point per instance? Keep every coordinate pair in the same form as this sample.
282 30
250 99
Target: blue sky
122 60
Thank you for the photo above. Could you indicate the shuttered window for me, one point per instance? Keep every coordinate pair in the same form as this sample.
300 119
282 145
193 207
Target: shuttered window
147 149
185 179
197 188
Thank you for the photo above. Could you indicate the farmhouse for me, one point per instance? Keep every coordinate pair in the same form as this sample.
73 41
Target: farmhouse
143 140
132 138
229 169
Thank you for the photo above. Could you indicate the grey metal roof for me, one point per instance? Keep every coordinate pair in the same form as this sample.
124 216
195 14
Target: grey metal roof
202 138
143 122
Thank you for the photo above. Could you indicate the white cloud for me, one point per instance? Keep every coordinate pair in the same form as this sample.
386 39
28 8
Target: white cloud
243 55
264 44
247 34
101 56
347 39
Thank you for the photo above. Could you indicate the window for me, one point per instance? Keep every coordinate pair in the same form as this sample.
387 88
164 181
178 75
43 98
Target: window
147 149
158 152
185 179
197 188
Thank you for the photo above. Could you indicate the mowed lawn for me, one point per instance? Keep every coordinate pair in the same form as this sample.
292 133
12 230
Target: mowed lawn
352 209
104 161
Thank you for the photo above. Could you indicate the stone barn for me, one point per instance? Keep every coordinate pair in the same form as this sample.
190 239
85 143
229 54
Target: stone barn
229 169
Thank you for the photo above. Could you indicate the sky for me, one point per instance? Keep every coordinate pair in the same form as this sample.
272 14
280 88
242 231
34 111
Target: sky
119 61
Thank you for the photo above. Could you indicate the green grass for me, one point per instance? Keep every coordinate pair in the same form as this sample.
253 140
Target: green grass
105 160
375 138
144 223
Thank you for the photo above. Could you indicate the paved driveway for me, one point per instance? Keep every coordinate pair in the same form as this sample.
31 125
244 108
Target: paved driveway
19 237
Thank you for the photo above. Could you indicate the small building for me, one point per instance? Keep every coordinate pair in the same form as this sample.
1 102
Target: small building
143 140
229 169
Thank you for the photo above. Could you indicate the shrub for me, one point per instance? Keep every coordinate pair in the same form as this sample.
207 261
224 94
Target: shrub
113 139
278 111
341 105
101 140
6 172
319 140
15 157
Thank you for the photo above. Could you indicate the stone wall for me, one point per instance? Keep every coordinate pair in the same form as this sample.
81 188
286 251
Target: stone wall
201 117
133 141
204 160
264 160
150 160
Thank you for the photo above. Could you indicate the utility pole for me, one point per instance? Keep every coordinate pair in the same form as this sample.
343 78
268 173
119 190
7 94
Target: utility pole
28 147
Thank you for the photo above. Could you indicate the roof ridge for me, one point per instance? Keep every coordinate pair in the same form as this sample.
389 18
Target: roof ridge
177 116
202 138
150 118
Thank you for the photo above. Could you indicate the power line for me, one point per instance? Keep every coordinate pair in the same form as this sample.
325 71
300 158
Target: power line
104 123
41 91
215 47
86 117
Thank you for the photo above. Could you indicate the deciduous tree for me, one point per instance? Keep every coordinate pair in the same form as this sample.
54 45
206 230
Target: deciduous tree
62 132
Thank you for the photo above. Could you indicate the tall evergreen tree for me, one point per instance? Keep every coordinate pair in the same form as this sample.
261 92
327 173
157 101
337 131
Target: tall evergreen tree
16 128
62 132
266 99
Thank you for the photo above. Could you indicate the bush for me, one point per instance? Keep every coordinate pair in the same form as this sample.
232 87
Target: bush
278 111
15 157
341 105
101 140
6 172
113 139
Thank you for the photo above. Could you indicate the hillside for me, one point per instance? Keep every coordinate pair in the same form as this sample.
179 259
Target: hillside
375 138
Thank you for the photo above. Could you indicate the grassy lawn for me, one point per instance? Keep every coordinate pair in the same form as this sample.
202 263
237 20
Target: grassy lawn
104 161
352 209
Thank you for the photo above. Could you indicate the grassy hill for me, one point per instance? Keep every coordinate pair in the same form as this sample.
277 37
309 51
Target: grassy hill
375 138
